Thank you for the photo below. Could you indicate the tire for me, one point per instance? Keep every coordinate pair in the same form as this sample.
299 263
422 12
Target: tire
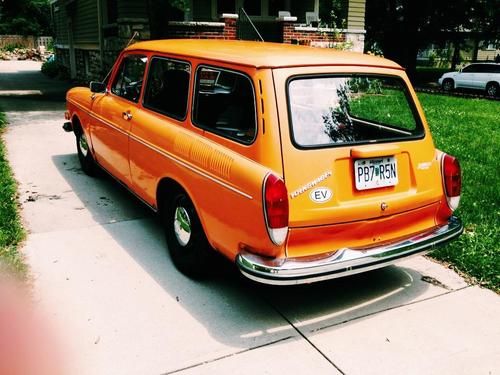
448 85
87 161
492 89
187 243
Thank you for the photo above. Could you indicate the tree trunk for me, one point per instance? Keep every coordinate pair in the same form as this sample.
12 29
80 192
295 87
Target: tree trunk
455 60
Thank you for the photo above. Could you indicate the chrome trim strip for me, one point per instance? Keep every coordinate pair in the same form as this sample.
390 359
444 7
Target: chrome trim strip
346 261
168 156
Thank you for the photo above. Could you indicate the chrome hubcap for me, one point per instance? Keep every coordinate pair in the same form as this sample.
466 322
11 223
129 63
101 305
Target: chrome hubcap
182 226
84 146
492 91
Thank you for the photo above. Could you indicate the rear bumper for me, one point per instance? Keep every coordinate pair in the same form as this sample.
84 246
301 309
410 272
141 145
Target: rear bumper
346 261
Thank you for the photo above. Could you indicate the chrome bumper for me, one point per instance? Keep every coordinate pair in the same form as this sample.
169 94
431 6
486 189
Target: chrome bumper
343 262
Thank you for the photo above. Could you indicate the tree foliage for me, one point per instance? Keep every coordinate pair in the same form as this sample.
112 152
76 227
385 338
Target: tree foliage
25 17
400 27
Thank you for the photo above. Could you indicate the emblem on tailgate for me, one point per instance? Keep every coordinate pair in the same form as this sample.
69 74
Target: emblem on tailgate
320 195
310 185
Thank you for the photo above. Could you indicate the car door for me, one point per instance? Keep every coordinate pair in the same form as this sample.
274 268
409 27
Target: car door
465 78
480 77
114 114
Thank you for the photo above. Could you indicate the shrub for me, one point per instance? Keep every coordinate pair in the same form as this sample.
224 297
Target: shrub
50 68
12 47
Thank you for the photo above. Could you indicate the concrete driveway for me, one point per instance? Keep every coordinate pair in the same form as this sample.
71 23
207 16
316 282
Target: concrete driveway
100 267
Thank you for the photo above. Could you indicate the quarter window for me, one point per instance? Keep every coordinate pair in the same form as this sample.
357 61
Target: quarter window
224 104
168 87
128 81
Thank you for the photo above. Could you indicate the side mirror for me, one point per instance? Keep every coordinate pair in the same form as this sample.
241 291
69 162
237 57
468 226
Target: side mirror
97 87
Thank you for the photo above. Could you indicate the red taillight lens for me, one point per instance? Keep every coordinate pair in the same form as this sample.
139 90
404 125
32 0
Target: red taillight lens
452 177
276 208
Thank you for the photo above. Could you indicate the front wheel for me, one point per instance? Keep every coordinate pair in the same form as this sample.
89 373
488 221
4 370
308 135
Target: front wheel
448 85
87 161
188 246
492 89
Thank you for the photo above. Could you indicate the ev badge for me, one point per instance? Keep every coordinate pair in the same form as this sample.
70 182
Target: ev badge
320 195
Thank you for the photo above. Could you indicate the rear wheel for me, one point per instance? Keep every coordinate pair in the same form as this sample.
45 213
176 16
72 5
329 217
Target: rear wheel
188 246
87 161
492 89
448 85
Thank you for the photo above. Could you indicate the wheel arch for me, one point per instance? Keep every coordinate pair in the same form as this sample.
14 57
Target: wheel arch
492 83
166 187
450 79
77 124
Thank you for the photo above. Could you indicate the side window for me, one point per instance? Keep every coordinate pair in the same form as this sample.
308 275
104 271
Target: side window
481 68
128 81
470 69
168 87
224 104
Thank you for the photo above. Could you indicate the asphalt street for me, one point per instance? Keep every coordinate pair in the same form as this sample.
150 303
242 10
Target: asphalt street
100 268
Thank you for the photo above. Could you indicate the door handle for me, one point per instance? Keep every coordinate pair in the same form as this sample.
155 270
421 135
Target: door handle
127 116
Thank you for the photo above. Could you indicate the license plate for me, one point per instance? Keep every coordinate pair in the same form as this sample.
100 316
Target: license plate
375 173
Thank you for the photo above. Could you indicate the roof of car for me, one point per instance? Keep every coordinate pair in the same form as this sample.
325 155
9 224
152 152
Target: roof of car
260 54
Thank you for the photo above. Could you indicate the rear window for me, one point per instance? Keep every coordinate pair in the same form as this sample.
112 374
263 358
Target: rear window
356 109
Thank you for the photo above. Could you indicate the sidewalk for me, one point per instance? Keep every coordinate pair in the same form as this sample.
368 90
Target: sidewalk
101 270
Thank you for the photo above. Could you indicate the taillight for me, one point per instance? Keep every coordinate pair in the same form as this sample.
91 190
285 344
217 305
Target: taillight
276 208
452 180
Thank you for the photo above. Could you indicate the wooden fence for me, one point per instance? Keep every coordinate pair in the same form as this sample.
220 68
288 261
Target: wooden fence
25 41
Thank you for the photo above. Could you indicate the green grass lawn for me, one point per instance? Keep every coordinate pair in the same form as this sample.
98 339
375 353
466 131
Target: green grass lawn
11 230
470 130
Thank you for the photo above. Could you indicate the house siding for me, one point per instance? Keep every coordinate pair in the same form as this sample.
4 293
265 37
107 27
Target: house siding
132 9
85 23
60 23
356 15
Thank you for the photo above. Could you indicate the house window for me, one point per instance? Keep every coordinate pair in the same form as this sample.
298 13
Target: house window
224 104
252 7
168 87
275 6
226 6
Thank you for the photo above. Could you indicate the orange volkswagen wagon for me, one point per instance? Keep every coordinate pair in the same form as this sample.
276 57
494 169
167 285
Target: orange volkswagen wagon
298 164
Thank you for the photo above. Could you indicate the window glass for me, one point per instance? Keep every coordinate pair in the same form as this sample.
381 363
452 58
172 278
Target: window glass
128 81
226 6
168 87
252 7
224 104
350 109
470 69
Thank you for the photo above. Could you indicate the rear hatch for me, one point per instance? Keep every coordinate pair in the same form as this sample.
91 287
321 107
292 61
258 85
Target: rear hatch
355 146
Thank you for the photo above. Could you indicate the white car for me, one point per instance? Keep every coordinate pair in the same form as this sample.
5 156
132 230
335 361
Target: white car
480 76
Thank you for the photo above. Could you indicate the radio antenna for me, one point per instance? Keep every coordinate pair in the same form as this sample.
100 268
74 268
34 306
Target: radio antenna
135 35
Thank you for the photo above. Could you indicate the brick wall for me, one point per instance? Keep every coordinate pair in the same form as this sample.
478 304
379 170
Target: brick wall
195 30
230 28
293 34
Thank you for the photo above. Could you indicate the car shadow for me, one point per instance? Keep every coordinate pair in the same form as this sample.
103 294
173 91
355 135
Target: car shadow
234 310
